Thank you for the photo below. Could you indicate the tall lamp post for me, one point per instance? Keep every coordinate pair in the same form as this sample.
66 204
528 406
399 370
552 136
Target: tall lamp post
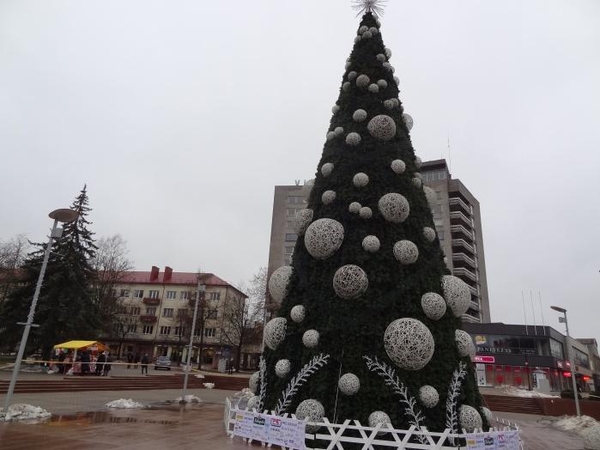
199 294
570 357
63 215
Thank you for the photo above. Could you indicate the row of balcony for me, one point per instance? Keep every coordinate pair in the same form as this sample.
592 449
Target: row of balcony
464 244
464 258
458 202
459 230
462 271
458 218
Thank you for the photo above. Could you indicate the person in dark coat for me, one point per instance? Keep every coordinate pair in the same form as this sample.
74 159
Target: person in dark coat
85 362
145 362
107 365
100 364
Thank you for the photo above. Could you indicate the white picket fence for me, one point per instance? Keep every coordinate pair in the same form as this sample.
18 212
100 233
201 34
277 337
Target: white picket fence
334 435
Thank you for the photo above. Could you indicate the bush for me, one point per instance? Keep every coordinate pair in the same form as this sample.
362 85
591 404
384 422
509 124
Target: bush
569 394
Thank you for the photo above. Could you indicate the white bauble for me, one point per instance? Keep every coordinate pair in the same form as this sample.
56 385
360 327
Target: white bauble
374 88
312 410
379 417
253 382
406 252
388 67
418 175
335 109
382 84
418 162
359 115
360 179
347 65
275 332
381 57
417 182
365 212
323 238
338 131
373 31
388 104
367 35
469 418
457 294
429 396
349 384
282 368
352 75
382 127
307 188
464 343
278 283
398 166
363 29
354 207
310 338
298 313
330 135
431 197
353 139
397 81
328 197
433 305
350 281
346 86
362 81
409 343
487 412
394 207
371 244
395 101
388 52
326 169
357 39
429 234
302 220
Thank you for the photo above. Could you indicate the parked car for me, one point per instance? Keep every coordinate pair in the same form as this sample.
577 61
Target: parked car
162 362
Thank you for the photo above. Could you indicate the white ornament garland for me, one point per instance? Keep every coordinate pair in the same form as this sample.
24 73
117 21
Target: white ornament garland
406 252
398 166
310 338
429 396
323 238
409 343
353 139
382 127
360 179
298 313
470 419
302 220
326 169
433 305
394 207
429 234
464 343
349 384
275 332
354 207
328 197
371 244
457 294
359 115
278 283
282 368
365 212
350 281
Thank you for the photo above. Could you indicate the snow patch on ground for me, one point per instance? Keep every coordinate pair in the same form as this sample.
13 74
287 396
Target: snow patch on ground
578 425
516 392
123 403
188 399
23 411
208 385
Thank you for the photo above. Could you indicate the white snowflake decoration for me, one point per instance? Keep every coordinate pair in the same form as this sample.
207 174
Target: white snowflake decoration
359 115
388 104
398 166
282 368
312 410
371 244
323 238
346 86
298 313
464 343
457 294
349 384
417 182
429 234
487 413
382 84
326 169
352 75
328 197
379 417
360 179
302 220
469 418
335 109
431 197
338 131
409 343
365 212
350 281
429 396
381 57
278 283
307 188
382 127
353 139
310 338
433 305
253 382
418 162
394 207
330 135
374 88
406 252
354 207
362 81
275 332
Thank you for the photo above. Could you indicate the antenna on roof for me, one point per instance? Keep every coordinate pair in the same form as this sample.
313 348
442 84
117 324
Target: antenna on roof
524 313
449 157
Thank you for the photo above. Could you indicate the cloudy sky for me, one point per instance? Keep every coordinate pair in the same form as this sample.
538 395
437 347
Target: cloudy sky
181 116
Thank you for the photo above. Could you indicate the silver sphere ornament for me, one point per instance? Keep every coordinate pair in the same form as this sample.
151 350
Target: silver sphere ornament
298 313
394 207
349 384
359 115
310 338
350 282
323 238
371 244
382 127
275 332
409 343
282 368
360 180
433 305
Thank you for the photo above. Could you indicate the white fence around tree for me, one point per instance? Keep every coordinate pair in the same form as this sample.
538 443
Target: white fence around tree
333 436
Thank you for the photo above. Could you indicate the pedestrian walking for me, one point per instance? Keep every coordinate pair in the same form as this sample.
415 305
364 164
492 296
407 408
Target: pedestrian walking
145 362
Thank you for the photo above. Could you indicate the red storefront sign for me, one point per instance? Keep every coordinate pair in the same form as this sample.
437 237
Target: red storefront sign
484 359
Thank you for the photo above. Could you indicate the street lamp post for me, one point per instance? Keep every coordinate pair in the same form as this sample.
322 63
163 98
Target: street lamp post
200 291
570 357
63 215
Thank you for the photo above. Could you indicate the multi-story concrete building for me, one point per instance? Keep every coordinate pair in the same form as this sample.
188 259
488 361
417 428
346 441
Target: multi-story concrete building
457 219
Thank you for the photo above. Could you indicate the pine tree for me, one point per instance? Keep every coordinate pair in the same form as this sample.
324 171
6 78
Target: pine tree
369 325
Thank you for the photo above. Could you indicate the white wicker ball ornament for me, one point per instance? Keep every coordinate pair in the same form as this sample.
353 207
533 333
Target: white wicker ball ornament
365 212
381 57
382 84
469 418
457 294
354 207
346 86
417 182
253 382
298 313
347 65
398 166
330 135
323 238
431 197
382 127
278 283
433 305
302 220
409 343
349 384
275 332
464 343
367 35
418 162
360 180
418 175
487 412
394 207
429 234
350 281
328 197
307 188
388 104
388 52
374 88
310 338
282 368
388 67
371 244
397 81
363 29
326 169
396 101
312 410
429 396
352 75
338 131
357 39
406 252
359 115
335 109
362 81
373 31
379 417
353 139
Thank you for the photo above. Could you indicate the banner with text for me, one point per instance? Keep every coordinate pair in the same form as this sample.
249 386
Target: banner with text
494 440
282 431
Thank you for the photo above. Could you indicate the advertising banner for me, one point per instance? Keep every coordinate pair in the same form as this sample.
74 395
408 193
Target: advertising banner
282 431
496 440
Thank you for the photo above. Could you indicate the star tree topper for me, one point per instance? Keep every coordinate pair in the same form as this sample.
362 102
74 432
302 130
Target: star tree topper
375 7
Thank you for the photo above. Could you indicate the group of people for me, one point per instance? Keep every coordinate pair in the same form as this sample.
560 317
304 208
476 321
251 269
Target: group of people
133 360
103 365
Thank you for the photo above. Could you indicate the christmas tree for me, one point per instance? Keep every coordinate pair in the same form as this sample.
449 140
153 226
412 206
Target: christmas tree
369 323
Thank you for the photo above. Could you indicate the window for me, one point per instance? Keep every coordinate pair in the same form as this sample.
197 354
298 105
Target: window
182 312
167 312
113 293
295 199
291 237
132 328
150 311
197 332
138 293
148 329
152 294
291 212
214 296
135 311
124 292
171 295
179 331
212 314
210 332
289 250
165 330
122 310
184 295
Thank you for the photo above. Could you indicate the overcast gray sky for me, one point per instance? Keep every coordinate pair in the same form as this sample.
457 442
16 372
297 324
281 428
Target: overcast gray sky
181 116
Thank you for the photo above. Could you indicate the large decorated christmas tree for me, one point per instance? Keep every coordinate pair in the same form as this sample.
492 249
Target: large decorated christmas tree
369 323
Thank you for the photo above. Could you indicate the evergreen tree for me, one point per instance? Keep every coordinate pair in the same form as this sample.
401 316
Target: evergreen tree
369 325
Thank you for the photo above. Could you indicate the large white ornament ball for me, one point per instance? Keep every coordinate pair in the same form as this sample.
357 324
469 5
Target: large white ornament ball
409 343
487 412
302 220
352 75
373 88
394 207
363 29
431 197
395 101
365 212
373 31
312 410
338 131
275 332
367 35
310 338
388 52
323 238
433 305
357 39
398 166
353 139
429 234
328 197
360 179
469 418
347 65
382 127
349 384
379 417
326 169
253 382
406 252
418 162
350 281
330 135
382 84
388 67
335 109
354 207
388 104
362 81
381 57
359 115
371 244
457 294
397 81
282 368
307 188
346 86
298 313
417 182
429 396
278 283
464 343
